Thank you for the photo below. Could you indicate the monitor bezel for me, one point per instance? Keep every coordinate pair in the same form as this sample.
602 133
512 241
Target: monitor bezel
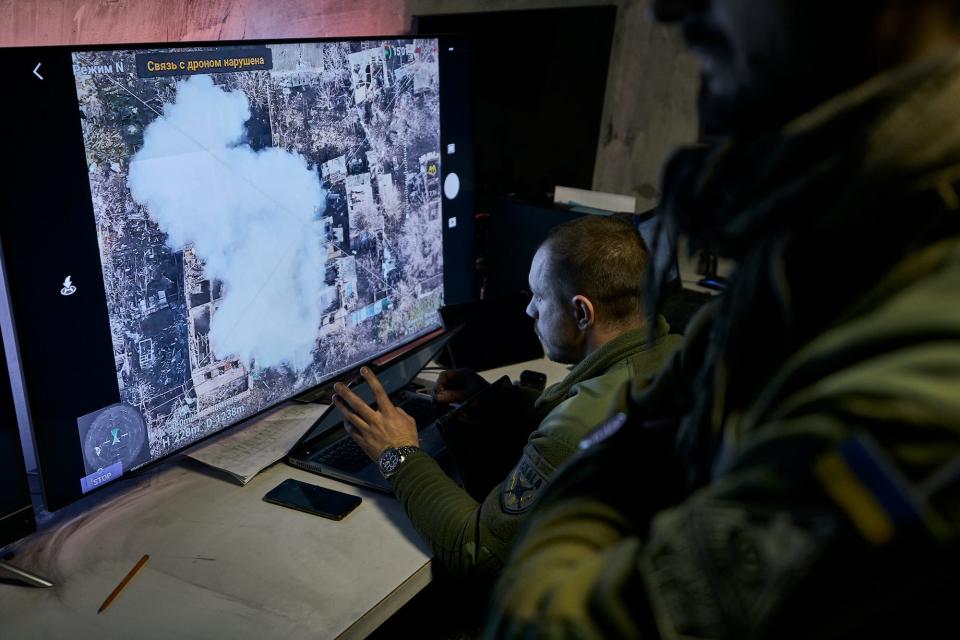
56 499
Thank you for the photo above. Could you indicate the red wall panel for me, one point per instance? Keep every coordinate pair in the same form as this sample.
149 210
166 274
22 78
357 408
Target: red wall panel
41 22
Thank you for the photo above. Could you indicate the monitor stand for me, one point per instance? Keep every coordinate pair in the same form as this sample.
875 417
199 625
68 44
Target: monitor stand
317 395
31 579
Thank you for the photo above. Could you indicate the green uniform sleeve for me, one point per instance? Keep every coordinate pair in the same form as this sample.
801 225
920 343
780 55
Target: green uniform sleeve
447 518
455 524
466 536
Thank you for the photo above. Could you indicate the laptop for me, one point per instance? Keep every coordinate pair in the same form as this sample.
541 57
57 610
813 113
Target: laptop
327 449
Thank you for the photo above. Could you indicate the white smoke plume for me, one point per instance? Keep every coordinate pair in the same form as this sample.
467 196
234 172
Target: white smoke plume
252 217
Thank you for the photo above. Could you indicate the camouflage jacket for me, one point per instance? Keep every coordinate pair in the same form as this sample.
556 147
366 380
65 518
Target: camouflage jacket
795 471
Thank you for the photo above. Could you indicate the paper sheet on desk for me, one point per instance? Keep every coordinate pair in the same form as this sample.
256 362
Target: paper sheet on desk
255 447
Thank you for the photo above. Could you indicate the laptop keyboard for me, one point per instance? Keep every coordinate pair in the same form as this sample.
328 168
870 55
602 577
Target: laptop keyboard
346 455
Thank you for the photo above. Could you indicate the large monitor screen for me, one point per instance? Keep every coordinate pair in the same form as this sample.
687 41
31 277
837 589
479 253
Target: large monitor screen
256 218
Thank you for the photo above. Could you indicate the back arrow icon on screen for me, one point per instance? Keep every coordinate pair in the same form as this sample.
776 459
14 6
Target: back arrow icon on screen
35 69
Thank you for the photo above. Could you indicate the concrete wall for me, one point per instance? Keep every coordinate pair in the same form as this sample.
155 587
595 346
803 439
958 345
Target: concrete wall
650 106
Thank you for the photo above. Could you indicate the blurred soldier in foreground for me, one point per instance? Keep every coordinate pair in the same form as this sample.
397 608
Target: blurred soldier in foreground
794 472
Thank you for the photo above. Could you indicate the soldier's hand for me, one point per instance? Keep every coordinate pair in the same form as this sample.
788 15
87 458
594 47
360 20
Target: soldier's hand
375 429
458 385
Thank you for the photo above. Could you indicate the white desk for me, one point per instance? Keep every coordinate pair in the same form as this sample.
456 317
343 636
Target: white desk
555 372
223 563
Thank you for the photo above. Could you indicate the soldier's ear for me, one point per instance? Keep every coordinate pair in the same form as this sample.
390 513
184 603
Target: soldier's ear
584 313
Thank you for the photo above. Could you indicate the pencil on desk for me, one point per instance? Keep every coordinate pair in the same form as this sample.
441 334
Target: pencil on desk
123 583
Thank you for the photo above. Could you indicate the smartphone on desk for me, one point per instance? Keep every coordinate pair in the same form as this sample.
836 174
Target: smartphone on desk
311 498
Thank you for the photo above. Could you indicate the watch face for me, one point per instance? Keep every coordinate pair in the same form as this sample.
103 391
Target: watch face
389 461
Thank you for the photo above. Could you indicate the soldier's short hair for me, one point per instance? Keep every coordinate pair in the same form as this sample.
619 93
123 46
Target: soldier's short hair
603 258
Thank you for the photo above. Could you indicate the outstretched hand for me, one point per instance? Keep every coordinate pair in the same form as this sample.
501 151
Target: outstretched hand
375 429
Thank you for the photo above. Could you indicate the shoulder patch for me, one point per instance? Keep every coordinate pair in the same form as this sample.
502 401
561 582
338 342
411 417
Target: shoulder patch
521 488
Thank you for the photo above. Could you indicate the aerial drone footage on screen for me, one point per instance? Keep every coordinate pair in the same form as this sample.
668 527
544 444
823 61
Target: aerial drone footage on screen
267 216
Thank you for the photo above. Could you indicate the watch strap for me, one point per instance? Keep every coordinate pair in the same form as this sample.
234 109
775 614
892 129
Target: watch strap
403 453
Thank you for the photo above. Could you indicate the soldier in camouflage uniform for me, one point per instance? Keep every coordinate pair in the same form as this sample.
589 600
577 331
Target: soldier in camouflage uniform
794 472
586 281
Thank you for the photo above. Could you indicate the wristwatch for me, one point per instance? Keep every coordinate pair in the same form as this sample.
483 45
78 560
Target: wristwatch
392 458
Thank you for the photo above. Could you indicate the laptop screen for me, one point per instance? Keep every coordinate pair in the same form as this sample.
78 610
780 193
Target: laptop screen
393 378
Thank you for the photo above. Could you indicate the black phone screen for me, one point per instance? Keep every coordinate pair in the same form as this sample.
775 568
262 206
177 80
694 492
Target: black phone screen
312 499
